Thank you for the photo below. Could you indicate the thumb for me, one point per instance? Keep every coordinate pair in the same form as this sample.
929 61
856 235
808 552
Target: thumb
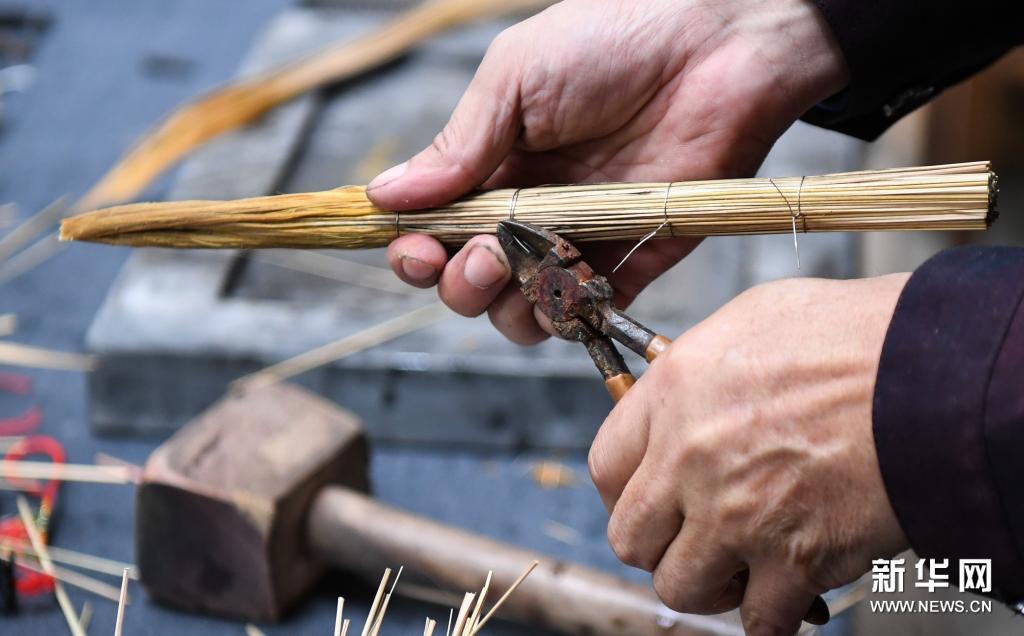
477 138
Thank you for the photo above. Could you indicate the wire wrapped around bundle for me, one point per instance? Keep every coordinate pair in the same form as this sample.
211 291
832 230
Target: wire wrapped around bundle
950 197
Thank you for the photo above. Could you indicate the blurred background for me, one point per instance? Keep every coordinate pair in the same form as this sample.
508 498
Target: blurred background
465 427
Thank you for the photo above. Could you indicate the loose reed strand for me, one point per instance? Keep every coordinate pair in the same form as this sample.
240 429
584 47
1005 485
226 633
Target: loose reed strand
85 617
380 615
32 228
460 620
74 624
31 257
68 557
368 625
65 472
428 629
122 601
387 601
951 197
338 616
475 616
512 588
334 268
349 345
20 355
74 579
8 324
344 627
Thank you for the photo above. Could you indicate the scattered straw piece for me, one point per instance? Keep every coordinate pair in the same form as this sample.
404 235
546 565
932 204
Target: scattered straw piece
512 588
20 355
31 228
349 345
338 616
550 474
74 624
77 559
460 620
8 323
86 616
119 623
368 625
339 269
561 532
74 579
475 616
17 469
30 258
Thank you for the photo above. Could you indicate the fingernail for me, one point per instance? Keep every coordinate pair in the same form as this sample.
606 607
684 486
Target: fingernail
416 269
389 175
483 268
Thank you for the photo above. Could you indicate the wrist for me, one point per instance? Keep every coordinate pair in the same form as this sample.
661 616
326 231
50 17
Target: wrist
800 53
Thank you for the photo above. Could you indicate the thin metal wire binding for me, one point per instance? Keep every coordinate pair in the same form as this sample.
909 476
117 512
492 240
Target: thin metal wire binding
799 214
652 233
512 205
664 209
398 224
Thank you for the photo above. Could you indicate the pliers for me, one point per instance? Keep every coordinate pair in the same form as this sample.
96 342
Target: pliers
554 277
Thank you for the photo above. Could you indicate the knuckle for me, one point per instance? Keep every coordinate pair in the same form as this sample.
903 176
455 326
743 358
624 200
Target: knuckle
625 537
596 465
623 545
671 589
504 42
761 622
446 142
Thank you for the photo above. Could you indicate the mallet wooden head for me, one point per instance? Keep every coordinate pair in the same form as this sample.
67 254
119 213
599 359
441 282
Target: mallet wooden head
221 513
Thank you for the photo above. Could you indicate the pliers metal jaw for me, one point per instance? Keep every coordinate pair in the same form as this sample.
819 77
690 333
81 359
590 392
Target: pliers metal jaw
579 303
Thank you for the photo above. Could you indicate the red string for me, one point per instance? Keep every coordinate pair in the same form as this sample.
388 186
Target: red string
28 582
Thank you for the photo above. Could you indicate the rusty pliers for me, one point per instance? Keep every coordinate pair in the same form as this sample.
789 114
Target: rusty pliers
554 277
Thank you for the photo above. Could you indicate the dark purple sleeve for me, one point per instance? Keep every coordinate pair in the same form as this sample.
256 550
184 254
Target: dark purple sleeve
902 53
949 411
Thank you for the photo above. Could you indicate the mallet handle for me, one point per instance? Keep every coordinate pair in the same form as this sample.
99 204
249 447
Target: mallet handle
361 535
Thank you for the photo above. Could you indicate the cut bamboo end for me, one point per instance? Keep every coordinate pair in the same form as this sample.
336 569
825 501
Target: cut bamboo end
949 197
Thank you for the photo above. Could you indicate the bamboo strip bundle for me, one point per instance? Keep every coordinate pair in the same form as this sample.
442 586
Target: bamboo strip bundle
949 197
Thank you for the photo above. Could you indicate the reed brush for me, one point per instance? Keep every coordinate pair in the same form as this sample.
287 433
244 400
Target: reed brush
950 197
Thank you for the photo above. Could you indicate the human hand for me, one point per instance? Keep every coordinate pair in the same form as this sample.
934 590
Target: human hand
747 449
610 90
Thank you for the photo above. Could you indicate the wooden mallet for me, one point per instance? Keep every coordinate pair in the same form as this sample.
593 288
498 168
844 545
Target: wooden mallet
241 511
